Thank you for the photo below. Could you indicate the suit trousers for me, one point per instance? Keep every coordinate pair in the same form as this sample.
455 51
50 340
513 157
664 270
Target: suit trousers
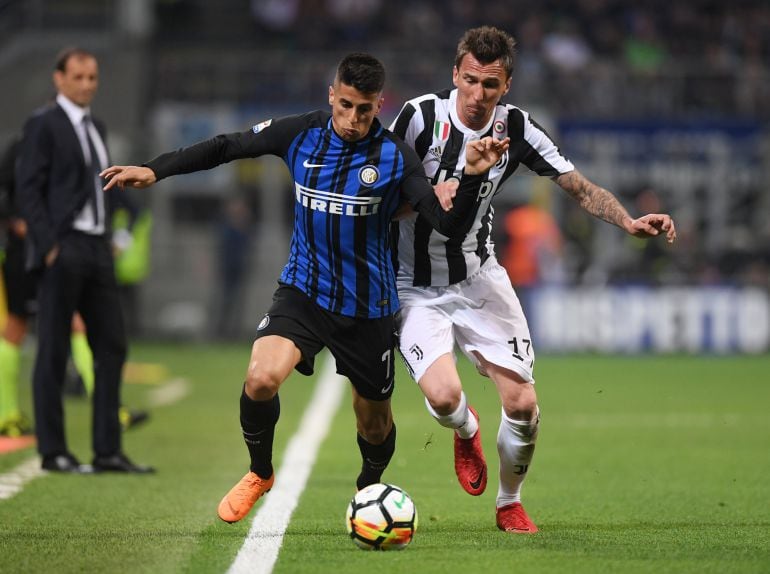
82 278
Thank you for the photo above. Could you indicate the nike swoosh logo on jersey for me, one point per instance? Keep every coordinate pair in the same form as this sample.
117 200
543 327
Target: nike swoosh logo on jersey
308 165
476 483
386 389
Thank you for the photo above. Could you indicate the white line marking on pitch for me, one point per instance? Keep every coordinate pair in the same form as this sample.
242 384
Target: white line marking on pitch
169 393
260 549
12 482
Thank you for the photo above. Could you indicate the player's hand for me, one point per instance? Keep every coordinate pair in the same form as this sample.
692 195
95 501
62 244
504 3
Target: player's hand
445 192
481 155
50 257
653 224
18 227
128 175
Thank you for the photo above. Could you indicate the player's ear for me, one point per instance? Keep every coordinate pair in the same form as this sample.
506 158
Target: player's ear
378 109
331 95
455 75
507 85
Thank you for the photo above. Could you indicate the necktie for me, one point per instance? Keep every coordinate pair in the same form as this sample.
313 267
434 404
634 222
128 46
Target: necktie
95 170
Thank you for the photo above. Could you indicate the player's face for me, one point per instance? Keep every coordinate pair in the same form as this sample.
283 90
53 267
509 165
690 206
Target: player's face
79 80
352 111
479 89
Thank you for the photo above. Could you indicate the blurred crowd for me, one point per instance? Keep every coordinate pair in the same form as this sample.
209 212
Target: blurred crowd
567 34
703 55
647 64
589 59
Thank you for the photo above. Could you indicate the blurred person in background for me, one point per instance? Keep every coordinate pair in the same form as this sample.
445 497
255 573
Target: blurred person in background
532 246
21 305
453 291
338 288
60 196
20 301
234 233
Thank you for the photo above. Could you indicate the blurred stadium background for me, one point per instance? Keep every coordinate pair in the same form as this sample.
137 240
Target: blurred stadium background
664 103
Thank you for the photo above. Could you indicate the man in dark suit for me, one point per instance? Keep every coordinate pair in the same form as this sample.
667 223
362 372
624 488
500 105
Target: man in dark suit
67 213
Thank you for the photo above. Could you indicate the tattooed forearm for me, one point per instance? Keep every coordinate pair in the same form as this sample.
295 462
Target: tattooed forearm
594 199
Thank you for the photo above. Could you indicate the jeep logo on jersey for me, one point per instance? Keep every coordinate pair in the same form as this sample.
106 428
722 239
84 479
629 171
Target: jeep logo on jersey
260 126
336 203
368 175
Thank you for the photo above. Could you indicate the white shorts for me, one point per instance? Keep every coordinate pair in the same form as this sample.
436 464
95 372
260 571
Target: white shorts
480 314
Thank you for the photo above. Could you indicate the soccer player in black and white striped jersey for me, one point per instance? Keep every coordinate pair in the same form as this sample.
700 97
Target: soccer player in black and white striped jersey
454 292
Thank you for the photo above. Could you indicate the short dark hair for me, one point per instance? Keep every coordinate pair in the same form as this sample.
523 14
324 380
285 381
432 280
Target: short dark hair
487 44
70 52
362 71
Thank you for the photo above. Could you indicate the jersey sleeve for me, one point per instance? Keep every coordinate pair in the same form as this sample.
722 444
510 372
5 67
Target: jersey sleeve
417 190
541 154
271 137
403 126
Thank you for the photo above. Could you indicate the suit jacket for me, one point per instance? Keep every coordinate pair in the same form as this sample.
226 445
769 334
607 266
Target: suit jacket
53 179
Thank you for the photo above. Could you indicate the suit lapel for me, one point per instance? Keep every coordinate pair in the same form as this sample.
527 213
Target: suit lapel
67 130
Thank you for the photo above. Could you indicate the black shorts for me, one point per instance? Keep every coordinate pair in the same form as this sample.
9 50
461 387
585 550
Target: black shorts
363 348
20 285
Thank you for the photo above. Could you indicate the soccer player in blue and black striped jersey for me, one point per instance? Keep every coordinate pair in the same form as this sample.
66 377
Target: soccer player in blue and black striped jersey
338 288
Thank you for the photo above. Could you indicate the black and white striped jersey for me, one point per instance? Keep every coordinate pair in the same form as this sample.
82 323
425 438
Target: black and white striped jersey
430 125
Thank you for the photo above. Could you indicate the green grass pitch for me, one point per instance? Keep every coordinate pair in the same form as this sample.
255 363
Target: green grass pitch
643 464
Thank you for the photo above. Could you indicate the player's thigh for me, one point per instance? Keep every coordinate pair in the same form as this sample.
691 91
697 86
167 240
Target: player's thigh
272 360
364 350
517 395
293 317
497 330
441 384
425 333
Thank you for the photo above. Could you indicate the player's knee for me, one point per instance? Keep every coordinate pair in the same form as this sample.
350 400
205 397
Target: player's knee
375 430
444 401
262 385
523 408
519 399
15 330
522 412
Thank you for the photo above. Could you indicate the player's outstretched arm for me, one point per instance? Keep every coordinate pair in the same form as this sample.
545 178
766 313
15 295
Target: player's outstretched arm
603 204
128 176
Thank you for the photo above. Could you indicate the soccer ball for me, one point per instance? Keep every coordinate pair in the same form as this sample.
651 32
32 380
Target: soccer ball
381 517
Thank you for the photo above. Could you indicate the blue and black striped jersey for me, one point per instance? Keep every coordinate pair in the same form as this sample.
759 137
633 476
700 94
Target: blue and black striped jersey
345 197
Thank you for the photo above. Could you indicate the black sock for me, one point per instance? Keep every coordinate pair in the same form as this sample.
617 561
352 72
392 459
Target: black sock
258 419
376 458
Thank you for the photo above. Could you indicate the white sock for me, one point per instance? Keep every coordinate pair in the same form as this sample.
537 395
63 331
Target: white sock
461 420
516 446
